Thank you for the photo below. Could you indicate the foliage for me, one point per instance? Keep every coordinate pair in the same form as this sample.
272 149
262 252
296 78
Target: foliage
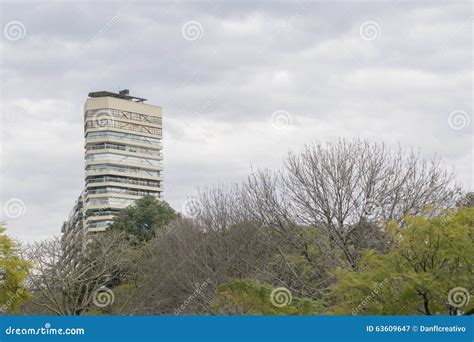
13 271
67 284
251 297
327 207
429 257
144 217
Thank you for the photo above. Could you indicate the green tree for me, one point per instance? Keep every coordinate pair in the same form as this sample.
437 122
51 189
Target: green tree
144 217
13 271
429 270
250 297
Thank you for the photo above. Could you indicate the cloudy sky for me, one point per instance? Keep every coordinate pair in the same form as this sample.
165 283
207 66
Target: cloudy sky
240 83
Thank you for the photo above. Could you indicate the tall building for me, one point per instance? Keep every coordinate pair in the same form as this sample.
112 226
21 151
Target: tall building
123 159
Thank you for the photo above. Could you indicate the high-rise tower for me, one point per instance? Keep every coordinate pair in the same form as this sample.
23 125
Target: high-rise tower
123 158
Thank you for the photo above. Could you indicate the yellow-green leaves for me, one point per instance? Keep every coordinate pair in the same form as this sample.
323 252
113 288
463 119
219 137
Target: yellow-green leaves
13 272
429 258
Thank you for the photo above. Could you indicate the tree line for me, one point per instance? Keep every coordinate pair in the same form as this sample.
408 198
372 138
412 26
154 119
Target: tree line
349 227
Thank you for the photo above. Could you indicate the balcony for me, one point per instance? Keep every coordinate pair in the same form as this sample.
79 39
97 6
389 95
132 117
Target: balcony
101 136
121 191
107 123
106 146
124 180
110 158
97 114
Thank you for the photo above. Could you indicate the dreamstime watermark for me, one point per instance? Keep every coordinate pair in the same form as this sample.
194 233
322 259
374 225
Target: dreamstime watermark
375 292
204 108
190 207
101 32
46 330
286 27
13 298
103 297
372 207
458 297
446 219
370 30
197 291
281 119
14 208
464 26
280 297
9 121
458 120
192 30
14 30
101 118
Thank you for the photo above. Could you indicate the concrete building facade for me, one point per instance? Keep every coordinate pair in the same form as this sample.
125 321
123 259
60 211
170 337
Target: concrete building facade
123 159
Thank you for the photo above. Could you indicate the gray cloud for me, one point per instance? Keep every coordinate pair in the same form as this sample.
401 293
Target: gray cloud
219 91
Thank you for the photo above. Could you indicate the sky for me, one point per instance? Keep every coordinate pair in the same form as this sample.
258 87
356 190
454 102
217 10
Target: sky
240 84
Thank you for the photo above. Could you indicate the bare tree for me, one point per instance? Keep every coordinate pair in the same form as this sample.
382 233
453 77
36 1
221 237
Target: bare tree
288 228
68 287
185 263
341 185
327 204
220 207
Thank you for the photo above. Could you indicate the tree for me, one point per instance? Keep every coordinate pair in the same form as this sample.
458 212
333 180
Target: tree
326 205
144 217
65 286
13 272
345 185
250 297
429 270
289 228
327 209
182 257
467 201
